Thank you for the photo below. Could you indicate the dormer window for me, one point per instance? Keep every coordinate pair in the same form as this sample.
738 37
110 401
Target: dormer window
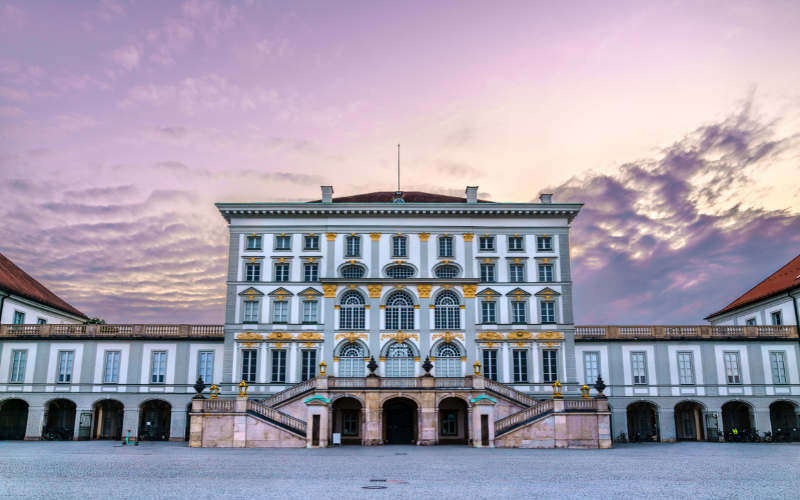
400 272
399 246
254 242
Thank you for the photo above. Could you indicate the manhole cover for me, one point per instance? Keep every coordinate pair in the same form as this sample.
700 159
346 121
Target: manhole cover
373 487
377 480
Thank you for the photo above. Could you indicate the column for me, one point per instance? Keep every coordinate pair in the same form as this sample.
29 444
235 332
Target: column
292 362
619 423
77 427
33 431
424 271
177 424
666 421
762 421
375 321
130 422
469 324
469 257
712 417
330 324
506 377
424 292
375 254
196 424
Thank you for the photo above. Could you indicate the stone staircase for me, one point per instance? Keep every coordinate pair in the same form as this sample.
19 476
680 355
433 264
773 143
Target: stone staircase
275 417
285 396
523 417
508 393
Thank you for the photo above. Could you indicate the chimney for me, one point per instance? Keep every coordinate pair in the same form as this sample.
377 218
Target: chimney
472 194
327 194
546 198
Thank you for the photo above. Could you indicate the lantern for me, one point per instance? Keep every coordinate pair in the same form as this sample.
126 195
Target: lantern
477 368
214 390
322 368
243 389
557 390
585 391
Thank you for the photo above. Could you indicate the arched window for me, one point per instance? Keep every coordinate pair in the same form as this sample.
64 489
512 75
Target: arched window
352 272
400 361
447 272
400 272
399 312
448 360
447 311
351 361
351 311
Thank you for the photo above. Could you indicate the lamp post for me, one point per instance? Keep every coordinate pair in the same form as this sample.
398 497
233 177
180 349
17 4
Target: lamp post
477 367
243 389
214 390
585 391
322 368
557 390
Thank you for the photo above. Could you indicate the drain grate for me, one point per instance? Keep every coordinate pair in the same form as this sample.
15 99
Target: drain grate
377 480
373 487
401 453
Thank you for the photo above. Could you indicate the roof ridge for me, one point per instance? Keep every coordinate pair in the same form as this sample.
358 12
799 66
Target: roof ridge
14 279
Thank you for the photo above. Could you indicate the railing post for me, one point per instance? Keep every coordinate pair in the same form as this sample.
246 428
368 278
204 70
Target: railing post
44 330
183 331
751 331
138 331
613 332
657 331
705 332
478 383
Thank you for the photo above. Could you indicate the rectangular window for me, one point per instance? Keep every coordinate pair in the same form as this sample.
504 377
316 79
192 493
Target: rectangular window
311 272
449 423
352 367
283 243
544 243
281 272
310 311
19 318
515 243
732 368
778 361
206 367
399 246
445 246
112 368
448 367
251 311
487 273
399 367
490 364
350 424
254 242
309 369
249 365
353 246
750 322
488 312
518 312
280 312
41 321
486 243
159 367
546 272
253 272
548 310
549 365
311 243
520 365
65 366
639 367
18 366
517 273
279 365
777 319
685 368
591 367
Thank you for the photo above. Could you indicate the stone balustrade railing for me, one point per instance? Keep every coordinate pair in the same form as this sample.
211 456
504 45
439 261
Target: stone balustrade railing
522 416
219 405
510 393
290 393
277 416
684 332
113 331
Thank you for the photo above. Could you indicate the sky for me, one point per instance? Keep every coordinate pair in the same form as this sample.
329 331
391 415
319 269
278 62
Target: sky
676 123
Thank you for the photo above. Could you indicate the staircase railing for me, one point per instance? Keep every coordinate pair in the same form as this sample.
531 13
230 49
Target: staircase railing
276 416
511 421
510 393
290 393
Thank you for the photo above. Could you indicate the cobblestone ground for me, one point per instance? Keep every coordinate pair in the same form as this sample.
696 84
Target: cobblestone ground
103 470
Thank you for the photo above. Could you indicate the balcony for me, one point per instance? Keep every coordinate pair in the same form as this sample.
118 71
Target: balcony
704 332
207 332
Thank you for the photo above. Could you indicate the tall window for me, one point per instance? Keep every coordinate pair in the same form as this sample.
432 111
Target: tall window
515 243
544 243
280 311
309 368
732 368
487 273
283 243
18 367
639 368
311 272
549 365
447 312
350 424
251 311
353 246
352 311
777 318
352 272
281 272
548 310
448 360
486 243
750 322
249 365
310 311
159 367
517 273
399 312
778 361
449 422
311 243
399 246
447 272
206 368
252 272
112 368
19 318
546 272
520 365
254 242
685 368
490 364
591 367
351 361
279 365
488 312
65 366
400 272
518 312
445 246
399 361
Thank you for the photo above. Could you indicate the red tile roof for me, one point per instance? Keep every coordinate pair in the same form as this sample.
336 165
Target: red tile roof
784 279
15 280
408 197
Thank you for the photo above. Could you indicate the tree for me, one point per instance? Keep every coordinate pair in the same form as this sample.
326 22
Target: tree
95 321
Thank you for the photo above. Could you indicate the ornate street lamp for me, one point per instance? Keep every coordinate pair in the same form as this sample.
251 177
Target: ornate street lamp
214 390
322 368
243 389
557 390
585 391
477 367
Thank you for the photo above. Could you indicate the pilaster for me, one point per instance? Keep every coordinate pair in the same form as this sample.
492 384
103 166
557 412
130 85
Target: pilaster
33 431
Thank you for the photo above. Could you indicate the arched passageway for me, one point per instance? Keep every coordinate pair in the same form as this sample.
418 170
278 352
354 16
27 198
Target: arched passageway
188 422
736 415
400 421
108 419
453 421
13 419
59 419
783 418
154 420
347 420
689 422
643 419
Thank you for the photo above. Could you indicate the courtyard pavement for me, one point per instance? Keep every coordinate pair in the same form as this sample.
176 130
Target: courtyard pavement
105 470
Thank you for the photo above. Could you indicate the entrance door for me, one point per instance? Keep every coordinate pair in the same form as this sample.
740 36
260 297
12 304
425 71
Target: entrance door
484 430
399 424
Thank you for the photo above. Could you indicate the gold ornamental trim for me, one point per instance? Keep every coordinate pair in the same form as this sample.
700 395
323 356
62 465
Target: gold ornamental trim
549 336
249 345
279 345
448 337
490 336
424 291
469 236
424 236
331 236
279 336
375 236
309 345
520 345
375 291
249 336
551 344
309 336
469 291
400 336
329 290
351 337
519 335
490 345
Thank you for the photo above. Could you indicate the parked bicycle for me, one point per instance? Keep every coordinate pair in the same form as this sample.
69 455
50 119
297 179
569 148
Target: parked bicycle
623 438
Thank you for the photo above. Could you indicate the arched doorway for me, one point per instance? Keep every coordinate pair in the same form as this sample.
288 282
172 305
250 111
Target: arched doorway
783 418
347 420
400 421
643 419
154 420
736 414
13 419
689 421
453 421
59 419
108 419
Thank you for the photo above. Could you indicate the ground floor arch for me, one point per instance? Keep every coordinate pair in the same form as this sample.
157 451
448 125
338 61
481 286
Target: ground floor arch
453 424
155 417
13 419
736 415
59 418
783 417
643 420
400 421
689 421
347 419
108 416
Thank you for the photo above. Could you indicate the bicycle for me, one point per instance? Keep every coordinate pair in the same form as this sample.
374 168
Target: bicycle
767 437
623 438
